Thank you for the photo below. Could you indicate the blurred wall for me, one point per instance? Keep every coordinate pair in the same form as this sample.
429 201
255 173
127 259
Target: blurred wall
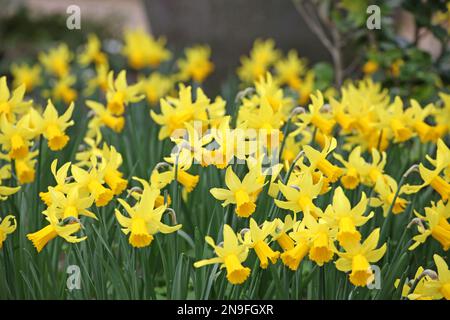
228 26
231 26
127 13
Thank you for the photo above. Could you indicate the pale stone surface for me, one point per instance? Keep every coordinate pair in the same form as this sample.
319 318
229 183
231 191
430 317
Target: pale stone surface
427 41
130 12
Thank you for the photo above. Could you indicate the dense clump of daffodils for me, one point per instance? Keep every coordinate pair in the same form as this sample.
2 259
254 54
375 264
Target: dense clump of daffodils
21 127
297 185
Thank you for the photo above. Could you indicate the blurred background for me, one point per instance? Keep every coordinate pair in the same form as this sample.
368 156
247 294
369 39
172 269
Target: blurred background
229 27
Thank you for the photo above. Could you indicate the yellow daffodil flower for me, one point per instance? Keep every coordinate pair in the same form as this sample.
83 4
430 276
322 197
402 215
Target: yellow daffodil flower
269 90
53 126
197 65
7 226
267 172
359 105
321 237
317 117
345 218
29 76
92 52
300 197
89 148
181 163
438 225
354 168
54 229
70 204
12 105
113 177
291 150
230 254
394 119
56 61
120 94
439 288
156 86
142 49
176 111
375 169
418 114
16 138
25 167
99 81
281 232
92 181
104 117
262 56
61 178
160 199
231 143
5 192
263 118
442 115
293 257
342 115
172 118
241 193
290 69
255 238
63 90
357 258
432 177
194 142
386 187
418 293
318 159
145 220
306 88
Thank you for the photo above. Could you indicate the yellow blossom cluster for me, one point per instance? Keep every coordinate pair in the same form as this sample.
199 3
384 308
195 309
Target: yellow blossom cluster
293 175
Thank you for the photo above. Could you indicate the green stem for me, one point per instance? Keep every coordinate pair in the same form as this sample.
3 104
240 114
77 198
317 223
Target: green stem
387 220
283 143
286 179
322 282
